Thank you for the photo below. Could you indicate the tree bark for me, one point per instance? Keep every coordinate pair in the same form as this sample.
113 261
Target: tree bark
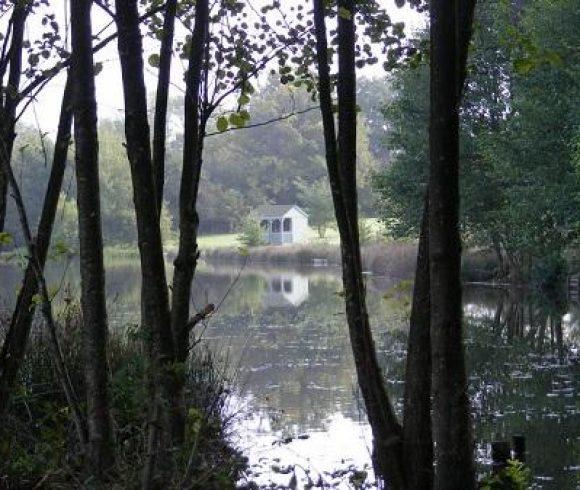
160 117
16 340
452 424
341 164
417 437
60 366
11 100
186 259
93 301
155 301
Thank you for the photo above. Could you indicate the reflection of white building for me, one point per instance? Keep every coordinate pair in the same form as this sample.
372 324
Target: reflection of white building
282 223
285 290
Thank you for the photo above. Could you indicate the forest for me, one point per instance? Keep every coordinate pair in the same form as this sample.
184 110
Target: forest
422 331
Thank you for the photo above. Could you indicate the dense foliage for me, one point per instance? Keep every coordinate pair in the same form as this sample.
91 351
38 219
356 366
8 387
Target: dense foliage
281 162
520 119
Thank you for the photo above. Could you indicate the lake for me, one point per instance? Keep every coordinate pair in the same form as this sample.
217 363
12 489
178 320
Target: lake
283 337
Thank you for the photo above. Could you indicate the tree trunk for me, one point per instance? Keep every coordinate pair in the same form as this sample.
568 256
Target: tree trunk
17 337
160 118
10 102
155 301
93 302
186 259
417 437
452 424
341 163
46 308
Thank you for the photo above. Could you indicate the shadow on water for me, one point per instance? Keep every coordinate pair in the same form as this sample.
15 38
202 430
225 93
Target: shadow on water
285 333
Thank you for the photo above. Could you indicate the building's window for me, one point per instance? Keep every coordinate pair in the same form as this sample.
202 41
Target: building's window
276 285
287 224
287 286
264 224
276 226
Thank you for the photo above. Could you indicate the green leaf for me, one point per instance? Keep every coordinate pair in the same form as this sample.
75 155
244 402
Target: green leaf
244 99
523 66
61 248
222 124
344 13
154 60
98 68
5 238
33 59
237 120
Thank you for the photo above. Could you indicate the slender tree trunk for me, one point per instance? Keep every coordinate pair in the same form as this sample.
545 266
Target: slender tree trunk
155 302
417 438
10 102
452 424
496 244
341 163
186 259
160 118
60 366
16 340
93 302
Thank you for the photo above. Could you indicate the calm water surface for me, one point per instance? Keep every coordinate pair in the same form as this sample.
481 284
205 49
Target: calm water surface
298 413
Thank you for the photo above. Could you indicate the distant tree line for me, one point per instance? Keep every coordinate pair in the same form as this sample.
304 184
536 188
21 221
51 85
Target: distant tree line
280 162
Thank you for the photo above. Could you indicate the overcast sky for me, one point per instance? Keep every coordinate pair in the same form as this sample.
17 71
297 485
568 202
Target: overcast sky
109 89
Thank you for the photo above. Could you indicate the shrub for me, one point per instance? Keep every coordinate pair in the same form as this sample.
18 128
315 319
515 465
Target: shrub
251 232
38 443
515 476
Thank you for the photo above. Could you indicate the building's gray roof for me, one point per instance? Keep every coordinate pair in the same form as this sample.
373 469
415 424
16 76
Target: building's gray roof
277 209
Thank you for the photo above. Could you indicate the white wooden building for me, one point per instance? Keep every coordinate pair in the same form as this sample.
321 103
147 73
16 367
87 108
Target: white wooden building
282 223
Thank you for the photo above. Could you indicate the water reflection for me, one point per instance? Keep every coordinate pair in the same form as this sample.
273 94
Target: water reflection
284 333
285 290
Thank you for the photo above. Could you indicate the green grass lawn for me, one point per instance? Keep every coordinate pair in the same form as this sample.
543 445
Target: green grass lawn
231 240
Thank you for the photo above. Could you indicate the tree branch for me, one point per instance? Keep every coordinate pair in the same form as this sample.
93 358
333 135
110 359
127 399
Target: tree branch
54 71
264 123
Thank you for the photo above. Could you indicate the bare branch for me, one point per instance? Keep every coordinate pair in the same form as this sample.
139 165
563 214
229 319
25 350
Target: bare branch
264 123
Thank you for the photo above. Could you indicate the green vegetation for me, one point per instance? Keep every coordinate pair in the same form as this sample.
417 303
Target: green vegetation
38 441
515 476
251 234
278 163
520 180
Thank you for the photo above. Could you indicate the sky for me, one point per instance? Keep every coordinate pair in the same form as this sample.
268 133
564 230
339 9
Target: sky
46 108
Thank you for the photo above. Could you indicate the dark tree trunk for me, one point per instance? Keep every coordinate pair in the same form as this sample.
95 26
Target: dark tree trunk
160 118
341 163
17 337
9 99
155 301
60 366
417 437
93 303
452 424
186 259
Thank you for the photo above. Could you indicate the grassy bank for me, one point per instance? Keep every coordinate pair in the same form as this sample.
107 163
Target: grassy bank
39 448
382 258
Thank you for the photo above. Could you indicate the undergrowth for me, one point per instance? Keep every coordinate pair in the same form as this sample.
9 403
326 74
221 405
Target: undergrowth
38 446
